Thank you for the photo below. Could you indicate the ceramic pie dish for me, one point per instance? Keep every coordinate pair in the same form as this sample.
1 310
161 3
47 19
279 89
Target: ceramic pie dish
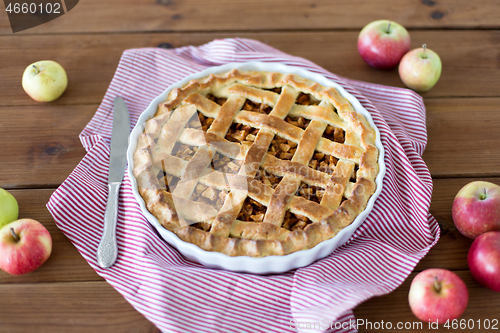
255 167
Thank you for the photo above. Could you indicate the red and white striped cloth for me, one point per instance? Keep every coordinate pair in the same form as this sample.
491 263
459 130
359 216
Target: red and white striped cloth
178 295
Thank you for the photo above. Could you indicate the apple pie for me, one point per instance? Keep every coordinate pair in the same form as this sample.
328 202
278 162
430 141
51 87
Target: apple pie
256 163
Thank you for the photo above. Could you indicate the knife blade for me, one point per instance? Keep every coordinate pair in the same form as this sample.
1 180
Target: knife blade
107 251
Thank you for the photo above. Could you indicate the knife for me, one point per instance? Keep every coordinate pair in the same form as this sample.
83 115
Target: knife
108 248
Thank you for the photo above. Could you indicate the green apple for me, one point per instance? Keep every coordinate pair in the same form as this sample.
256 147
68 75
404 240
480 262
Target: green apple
420 69
45 81
9 210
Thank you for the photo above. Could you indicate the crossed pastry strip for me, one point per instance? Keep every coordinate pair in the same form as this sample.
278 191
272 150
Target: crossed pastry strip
341 201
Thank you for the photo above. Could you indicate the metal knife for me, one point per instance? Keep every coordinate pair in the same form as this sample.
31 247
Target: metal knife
108 248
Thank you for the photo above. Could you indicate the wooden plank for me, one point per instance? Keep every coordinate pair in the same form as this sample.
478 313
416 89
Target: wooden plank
40 144
67 299
43 148
394 308
96 306
451 250
459 128
469 59
68 307
64 263
228 15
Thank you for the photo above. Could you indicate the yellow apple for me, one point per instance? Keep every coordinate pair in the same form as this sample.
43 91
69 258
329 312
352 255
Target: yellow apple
420 69
45 81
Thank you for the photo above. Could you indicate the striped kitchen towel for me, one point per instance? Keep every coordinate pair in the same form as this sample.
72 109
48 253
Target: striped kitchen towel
178 295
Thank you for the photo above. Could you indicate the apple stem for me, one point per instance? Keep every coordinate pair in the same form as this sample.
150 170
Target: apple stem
389 27
482 196
437 284
424 46
37 70
16 237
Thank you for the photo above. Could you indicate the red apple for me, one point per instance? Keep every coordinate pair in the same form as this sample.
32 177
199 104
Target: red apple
476 209
382 43
420 69
24 246
484 260
438 294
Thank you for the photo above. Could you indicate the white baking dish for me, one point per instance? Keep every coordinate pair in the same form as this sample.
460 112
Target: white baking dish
269 264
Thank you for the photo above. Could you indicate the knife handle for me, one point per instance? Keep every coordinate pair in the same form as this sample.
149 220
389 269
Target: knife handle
108 248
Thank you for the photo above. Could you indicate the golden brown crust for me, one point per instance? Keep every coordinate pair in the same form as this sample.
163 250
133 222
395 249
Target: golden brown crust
345 191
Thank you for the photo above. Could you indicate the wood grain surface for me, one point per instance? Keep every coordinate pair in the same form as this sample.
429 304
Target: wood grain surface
91 59
48 147
39 144
377 308
260 15
90 306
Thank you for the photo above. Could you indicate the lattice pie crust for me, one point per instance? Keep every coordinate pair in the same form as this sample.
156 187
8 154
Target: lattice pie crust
256 163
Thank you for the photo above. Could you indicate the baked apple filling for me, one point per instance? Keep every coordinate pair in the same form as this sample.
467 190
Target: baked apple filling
240 133
268 178
218 100
298 121
323 162
293 221
252 211
169 181
183 151
306 99
225 164
256 107
312 193
334 134
282 148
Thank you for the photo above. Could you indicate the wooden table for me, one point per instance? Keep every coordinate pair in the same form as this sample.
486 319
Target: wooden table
39 144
